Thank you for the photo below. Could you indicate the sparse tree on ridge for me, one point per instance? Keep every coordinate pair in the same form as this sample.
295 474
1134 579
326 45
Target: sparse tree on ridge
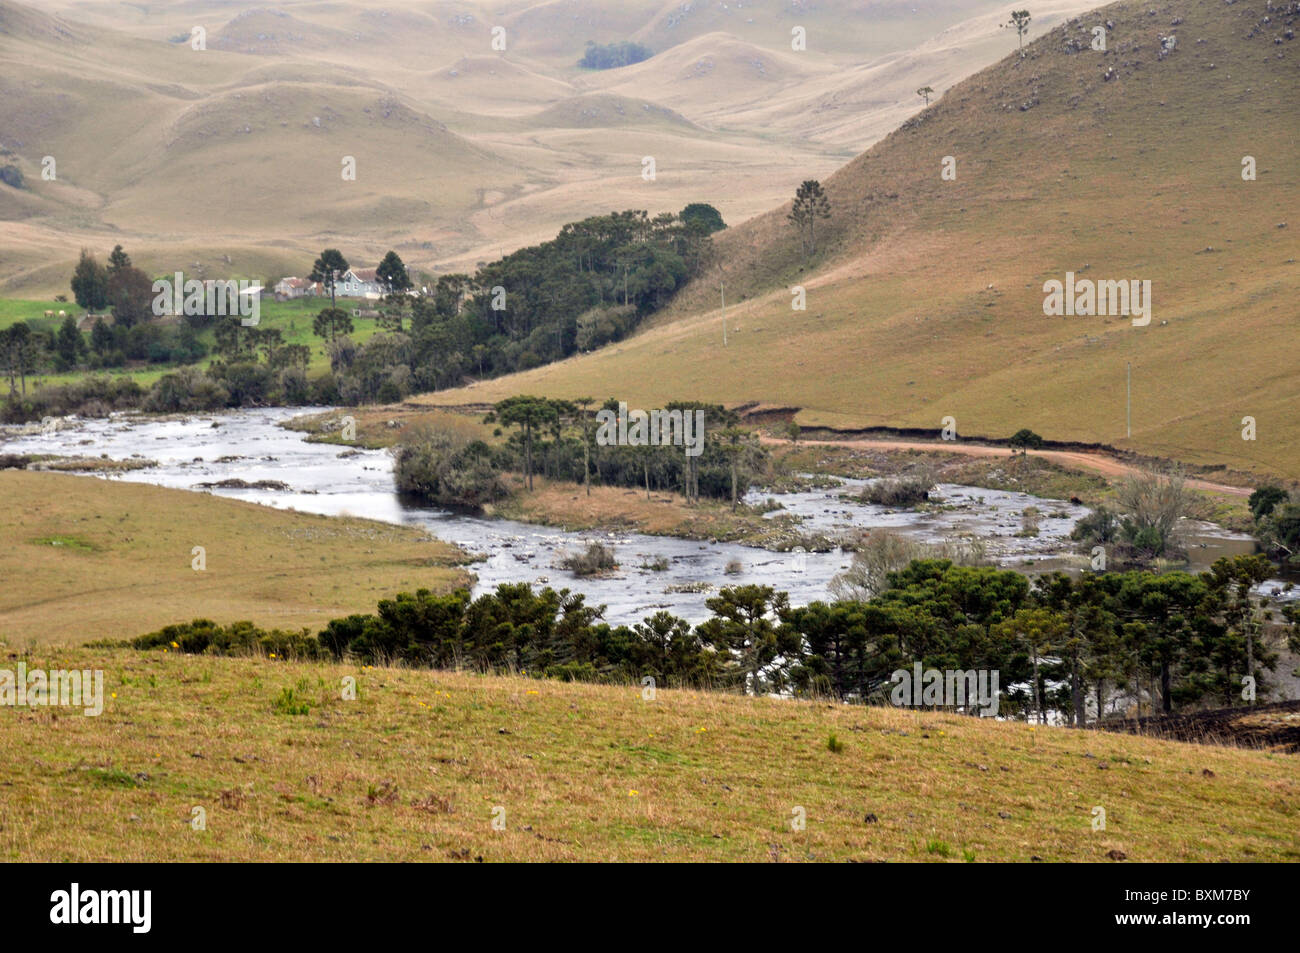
1020 20
926 92
810 204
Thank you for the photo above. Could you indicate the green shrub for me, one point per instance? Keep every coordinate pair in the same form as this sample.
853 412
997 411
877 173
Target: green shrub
1264 499
1025 439
447 471
239 638
289 702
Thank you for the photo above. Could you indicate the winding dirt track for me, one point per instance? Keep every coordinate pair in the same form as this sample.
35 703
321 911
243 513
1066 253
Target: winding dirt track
1101 463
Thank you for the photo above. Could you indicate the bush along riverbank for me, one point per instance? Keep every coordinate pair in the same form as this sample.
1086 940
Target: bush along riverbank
1174 642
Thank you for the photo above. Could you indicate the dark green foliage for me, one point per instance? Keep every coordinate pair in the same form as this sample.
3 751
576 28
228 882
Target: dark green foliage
1179 640
702 217
101 337
810 204
1101 526
1264 499
1025 439
531 415
392 274
70 344
21 350
1279 531
590 285
118 259
90 283
90 396
202 636
613 55
328 269
442 470
332 322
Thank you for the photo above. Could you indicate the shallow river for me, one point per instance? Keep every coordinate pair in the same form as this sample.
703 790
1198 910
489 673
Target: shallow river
324 478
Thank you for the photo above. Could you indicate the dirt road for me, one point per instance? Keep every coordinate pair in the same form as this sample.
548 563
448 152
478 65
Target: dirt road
1101 463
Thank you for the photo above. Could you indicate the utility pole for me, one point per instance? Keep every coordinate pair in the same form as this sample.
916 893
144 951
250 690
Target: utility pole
1130 398
723 286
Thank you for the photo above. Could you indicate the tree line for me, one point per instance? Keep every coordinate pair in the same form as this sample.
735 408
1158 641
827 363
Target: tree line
1174 641
558 439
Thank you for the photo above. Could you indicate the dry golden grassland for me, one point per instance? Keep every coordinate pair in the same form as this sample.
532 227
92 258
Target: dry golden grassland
85 558
926 299
415 767
567 505
461 150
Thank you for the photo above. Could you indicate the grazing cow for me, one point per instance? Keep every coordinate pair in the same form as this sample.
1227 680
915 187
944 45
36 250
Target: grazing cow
63 314
49 314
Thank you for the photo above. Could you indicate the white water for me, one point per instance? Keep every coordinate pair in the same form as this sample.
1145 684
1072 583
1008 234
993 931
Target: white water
325 478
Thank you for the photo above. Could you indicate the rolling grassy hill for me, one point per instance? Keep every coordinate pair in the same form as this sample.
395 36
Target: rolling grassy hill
417 766
926 296
101 559
230 157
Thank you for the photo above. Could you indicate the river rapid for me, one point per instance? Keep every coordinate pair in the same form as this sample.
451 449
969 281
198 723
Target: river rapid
251 445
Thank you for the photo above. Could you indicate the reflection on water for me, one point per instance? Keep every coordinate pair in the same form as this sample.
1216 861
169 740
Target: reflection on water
324 478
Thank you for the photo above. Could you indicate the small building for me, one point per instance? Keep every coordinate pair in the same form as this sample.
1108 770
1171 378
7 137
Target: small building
288 289
360 283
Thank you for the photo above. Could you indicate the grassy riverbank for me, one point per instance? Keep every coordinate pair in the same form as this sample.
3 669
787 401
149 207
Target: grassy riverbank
104 559
617 508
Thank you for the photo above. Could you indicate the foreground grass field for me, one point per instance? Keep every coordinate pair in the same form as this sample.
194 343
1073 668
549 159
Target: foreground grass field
417 766
85 558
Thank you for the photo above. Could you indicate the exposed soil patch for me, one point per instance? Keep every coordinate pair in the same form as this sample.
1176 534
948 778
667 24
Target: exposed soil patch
1274 727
